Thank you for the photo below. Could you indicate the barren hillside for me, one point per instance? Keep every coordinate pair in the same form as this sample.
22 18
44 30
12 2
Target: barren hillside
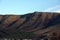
43 25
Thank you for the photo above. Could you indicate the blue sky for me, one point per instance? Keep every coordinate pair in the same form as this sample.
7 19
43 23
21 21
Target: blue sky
26 6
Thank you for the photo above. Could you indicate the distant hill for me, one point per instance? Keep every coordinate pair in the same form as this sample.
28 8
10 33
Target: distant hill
42 25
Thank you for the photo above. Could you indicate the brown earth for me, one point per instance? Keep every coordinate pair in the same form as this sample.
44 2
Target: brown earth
44 25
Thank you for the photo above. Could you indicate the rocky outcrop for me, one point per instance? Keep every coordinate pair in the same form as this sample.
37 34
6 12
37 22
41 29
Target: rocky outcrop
44 25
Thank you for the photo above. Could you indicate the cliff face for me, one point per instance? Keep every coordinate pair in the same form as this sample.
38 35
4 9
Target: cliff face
42 24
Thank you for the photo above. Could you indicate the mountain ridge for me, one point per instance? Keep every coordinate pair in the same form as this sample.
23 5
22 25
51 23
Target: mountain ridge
42 24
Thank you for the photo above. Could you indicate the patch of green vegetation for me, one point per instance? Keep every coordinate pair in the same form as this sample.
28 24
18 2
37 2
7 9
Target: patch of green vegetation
19 34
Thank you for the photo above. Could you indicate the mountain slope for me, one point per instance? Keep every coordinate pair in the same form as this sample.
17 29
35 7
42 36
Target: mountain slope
41 24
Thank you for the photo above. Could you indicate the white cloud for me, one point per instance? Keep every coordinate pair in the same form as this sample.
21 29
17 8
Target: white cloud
52 8
58 11
11 14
